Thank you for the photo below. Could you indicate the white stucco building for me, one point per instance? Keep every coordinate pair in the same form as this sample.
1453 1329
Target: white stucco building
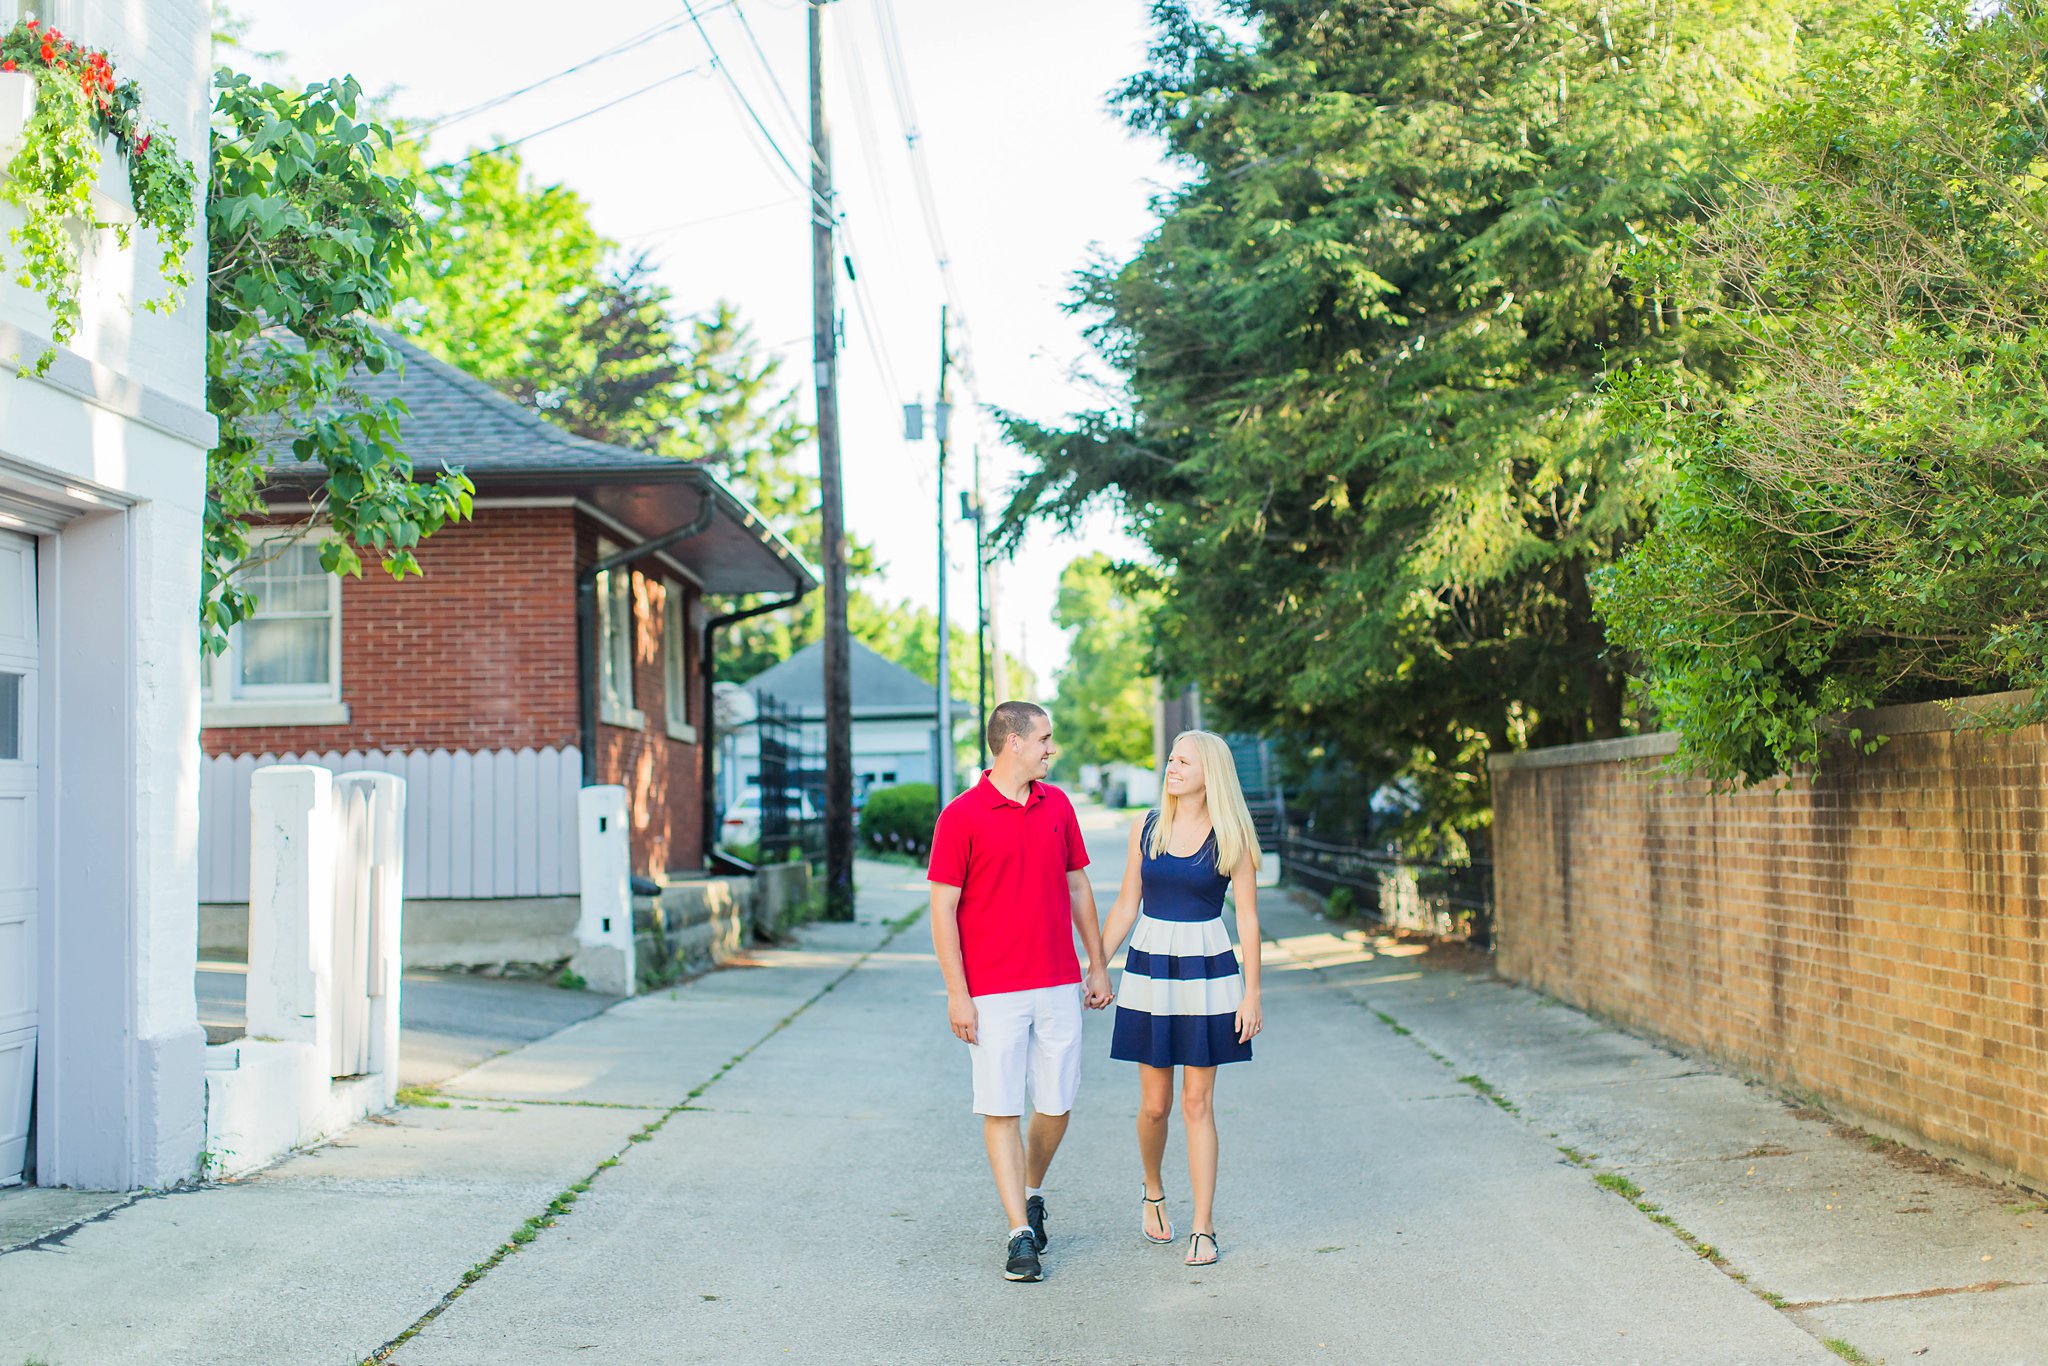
895 735
101 492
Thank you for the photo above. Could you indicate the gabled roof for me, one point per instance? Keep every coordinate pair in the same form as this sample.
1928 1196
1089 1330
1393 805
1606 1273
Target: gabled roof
455 420
880 686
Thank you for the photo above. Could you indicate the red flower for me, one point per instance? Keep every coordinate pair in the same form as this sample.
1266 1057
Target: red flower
142 146
48 52
7 65
30 24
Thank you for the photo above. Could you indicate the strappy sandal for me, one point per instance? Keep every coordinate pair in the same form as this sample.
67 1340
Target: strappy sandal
1195 1243
1163 1221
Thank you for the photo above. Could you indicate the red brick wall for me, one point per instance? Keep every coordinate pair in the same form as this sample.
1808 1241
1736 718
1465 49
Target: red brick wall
1876 935
664 795
480 653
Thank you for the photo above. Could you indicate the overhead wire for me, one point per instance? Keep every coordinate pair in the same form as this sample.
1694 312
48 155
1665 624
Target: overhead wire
819 206
669 79
897 72
618 49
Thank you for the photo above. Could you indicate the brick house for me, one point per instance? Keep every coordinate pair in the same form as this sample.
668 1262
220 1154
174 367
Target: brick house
558 639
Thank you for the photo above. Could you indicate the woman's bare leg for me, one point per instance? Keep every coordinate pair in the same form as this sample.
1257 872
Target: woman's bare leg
1155 1105
1197 1092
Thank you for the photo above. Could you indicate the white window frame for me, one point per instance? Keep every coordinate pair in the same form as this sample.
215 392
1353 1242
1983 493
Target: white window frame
615 645
675 662
223 704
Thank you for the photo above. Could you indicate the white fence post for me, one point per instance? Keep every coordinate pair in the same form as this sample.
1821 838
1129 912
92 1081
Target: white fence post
379 860
604 930
291 905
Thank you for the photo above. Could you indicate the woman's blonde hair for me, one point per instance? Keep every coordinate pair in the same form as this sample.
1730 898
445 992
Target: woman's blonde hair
1229 818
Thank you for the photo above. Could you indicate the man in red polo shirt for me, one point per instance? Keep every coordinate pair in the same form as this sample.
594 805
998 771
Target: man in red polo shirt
1009 891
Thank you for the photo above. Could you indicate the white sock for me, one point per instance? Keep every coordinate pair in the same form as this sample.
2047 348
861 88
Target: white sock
1030 1191
1021 1228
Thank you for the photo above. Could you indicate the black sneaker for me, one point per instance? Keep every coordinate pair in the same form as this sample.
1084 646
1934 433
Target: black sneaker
1023 1264
1034 1215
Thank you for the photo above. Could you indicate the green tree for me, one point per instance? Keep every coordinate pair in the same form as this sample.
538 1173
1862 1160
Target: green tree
503 271
305 235
1361 356
1860 484
1102 709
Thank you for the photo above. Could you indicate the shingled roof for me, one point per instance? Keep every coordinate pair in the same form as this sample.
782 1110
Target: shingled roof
881 687
455 420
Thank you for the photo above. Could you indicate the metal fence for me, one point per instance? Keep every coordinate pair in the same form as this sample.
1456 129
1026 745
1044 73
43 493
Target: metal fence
792 781
1404 893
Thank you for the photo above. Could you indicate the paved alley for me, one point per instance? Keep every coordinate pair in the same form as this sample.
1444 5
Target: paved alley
776 1163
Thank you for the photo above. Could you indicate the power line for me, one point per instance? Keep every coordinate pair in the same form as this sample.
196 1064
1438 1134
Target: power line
781 95
898 75
822 211
619 48
710 218
578 118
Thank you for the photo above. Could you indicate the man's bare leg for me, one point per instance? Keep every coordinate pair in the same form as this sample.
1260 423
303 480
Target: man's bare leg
1004 1138
1046 1133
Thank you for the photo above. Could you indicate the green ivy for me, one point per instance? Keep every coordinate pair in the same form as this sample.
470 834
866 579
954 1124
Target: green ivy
79 103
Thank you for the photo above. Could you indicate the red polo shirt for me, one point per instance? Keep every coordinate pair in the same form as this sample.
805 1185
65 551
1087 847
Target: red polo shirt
1010 861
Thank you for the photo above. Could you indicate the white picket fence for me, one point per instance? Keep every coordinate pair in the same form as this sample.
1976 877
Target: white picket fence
491 823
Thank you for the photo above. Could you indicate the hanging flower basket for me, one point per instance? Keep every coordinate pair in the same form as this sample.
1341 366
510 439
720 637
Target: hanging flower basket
80 158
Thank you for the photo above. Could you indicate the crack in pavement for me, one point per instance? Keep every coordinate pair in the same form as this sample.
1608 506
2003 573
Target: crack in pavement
545 1219
1980 1288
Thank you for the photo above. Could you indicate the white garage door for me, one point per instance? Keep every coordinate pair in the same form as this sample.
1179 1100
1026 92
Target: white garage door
17 848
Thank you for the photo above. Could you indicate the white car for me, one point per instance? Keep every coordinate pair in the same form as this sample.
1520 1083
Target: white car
742 823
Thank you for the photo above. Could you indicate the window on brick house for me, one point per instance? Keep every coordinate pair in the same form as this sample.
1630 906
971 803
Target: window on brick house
283 663
675 662
615 644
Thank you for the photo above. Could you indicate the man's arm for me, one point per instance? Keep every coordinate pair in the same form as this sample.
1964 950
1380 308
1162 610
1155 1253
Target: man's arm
960 1011
1082 897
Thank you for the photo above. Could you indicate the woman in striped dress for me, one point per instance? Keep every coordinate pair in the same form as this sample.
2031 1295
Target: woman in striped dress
1184 1002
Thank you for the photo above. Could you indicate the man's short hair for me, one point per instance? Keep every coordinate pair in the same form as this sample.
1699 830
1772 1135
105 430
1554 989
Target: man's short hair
1012 718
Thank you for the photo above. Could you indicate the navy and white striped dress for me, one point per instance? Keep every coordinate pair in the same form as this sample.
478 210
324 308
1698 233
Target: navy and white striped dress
1177 1003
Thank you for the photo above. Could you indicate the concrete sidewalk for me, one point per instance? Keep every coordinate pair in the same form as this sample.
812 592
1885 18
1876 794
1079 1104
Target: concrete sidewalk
1859 1241
334 1253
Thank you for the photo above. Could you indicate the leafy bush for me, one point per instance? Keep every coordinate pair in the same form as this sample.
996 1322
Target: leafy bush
900 818
1340 904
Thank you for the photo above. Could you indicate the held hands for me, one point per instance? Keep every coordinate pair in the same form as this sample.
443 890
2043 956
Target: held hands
1097 993
965 1019
1250 1019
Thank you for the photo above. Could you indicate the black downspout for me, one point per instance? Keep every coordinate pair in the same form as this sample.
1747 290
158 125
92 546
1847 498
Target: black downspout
709 732
586 626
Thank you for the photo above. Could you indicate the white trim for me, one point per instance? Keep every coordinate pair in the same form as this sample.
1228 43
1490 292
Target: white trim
630 718
218 691
256 712
615 695
675 665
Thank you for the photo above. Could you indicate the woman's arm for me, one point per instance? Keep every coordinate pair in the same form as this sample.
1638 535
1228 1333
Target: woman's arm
1123 912
1244 888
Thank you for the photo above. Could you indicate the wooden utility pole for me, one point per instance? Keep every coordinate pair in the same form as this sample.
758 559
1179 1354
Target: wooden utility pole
941 418
825 351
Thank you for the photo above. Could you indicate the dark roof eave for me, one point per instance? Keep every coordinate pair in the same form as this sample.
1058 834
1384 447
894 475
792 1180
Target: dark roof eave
804 577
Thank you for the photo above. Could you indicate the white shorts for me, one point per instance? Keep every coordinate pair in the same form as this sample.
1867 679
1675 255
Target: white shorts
1027 1039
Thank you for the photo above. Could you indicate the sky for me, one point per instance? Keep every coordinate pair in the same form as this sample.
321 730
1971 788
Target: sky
1031 177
